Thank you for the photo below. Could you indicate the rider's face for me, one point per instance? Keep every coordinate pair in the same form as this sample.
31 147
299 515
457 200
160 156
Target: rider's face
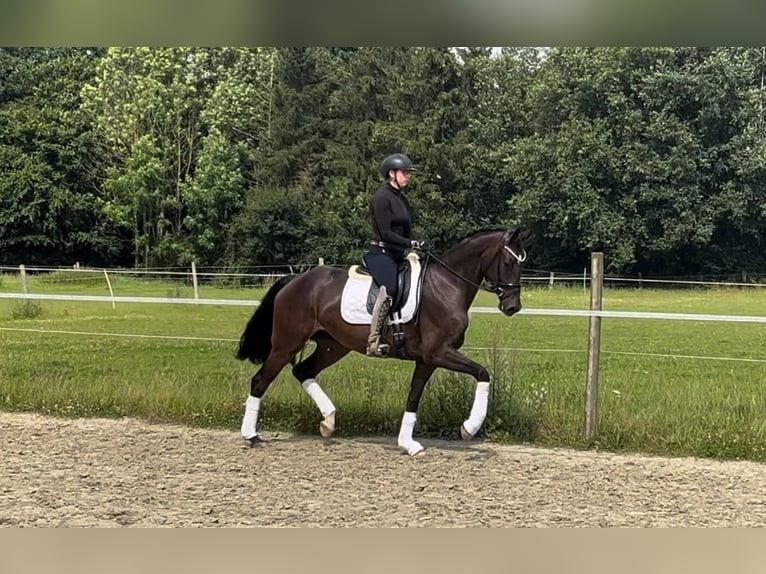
402 177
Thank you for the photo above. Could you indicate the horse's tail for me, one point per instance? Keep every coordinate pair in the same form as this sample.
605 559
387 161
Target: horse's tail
255 342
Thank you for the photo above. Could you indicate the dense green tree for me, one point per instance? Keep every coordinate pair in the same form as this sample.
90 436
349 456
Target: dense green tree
213 199
498 115
145 107
262 156
293 155
735 119
237 100
631 154
48 212
236 118
270 231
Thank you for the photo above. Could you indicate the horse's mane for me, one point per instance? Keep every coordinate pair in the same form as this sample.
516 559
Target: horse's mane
475 235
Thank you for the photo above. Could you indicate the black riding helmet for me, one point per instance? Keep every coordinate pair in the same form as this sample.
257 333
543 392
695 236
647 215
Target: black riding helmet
396 161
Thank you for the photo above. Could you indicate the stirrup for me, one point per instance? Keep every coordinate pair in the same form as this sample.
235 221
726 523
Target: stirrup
378 350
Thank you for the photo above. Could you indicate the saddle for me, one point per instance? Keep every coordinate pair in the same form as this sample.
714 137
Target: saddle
403 275
360 293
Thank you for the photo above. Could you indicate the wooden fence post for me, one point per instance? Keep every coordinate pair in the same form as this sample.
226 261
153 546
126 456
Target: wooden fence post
594 345
550 281
194 280
24 281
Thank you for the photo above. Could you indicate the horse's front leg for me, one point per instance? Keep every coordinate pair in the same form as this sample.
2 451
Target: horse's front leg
420 377
455 361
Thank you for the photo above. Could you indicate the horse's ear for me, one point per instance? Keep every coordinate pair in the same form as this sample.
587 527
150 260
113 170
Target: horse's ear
510 235
525 235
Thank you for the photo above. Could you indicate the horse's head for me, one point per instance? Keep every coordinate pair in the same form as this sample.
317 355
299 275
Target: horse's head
502 271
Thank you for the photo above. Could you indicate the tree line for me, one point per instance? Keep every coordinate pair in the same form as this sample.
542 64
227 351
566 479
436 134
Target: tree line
242 157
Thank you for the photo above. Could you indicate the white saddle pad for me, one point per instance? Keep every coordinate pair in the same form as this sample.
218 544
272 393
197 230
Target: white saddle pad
353 302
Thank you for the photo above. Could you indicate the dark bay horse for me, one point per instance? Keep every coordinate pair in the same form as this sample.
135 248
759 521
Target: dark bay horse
307 306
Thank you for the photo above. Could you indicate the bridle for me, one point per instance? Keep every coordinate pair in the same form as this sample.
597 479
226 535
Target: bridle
499 288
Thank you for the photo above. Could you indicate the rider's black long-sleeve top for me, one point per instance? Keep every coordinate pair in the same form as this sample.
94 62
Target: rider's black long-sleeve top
391 218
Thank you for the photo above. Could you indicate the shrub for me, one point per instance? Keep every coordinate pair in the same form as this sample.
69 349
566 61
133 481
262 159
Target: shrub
26 309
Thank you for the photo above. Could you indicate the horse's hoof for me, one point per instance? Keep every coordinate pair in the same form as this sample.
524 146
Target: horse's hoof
464 433
413 449
327 426
252 442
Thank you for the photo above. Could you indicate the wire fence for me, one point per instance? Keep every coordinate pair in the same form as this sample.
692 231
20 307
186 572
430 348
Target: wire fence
265 275
191 276
473 309
43 331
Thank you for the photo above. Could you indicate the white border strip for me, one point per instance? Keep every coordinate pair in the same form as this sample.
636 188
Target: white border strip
104 299
43 331
252 303
630 315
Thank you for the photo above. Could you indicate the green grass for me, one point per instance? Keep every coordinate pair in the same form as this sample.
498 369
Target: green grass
651 400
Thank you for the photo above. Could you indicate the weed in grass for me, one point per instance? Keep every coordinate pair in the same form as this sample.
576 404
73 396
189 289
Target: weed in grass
508 418
226 282
175 293
445 405
26 309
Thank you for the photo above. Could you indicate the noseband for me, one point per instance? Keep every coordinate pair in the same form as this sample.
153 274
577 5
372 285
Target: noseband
499 288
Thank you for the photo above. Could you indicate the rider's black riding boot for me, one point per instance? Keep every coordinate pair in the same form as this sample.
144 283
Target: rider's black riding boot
379 315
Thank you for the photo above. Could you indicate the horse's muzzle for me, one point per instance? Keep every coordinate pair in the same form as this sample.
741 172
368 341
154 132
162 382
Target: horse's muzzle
509 309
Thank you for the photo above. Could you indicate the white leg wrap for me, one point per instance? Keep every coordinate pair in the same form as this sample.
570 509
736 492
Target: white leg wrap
479 408
250 420
405 441
320 398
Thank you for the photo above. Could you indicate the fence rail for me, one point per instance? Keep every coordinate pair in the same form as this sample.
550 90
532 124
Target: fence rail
478 309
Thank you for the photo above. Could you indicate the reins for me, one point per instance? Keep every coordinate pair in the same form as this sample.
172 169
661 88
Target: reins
496 287
451 270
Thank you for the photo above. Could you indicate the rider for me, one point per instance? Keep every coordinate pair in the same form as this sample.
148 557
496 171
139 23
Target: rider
391 227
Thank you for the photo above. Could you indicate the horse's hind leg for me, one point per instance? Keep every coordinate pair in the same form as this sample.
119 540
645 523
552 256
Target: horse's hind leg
328 351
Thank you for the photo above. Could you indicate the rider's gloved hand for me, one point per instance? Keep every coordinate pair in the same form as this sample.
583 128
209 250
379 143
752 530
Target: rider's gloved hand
420 245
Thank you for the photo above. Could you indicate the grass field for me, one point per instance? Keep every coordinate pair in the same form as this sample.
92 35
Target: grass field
666 387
